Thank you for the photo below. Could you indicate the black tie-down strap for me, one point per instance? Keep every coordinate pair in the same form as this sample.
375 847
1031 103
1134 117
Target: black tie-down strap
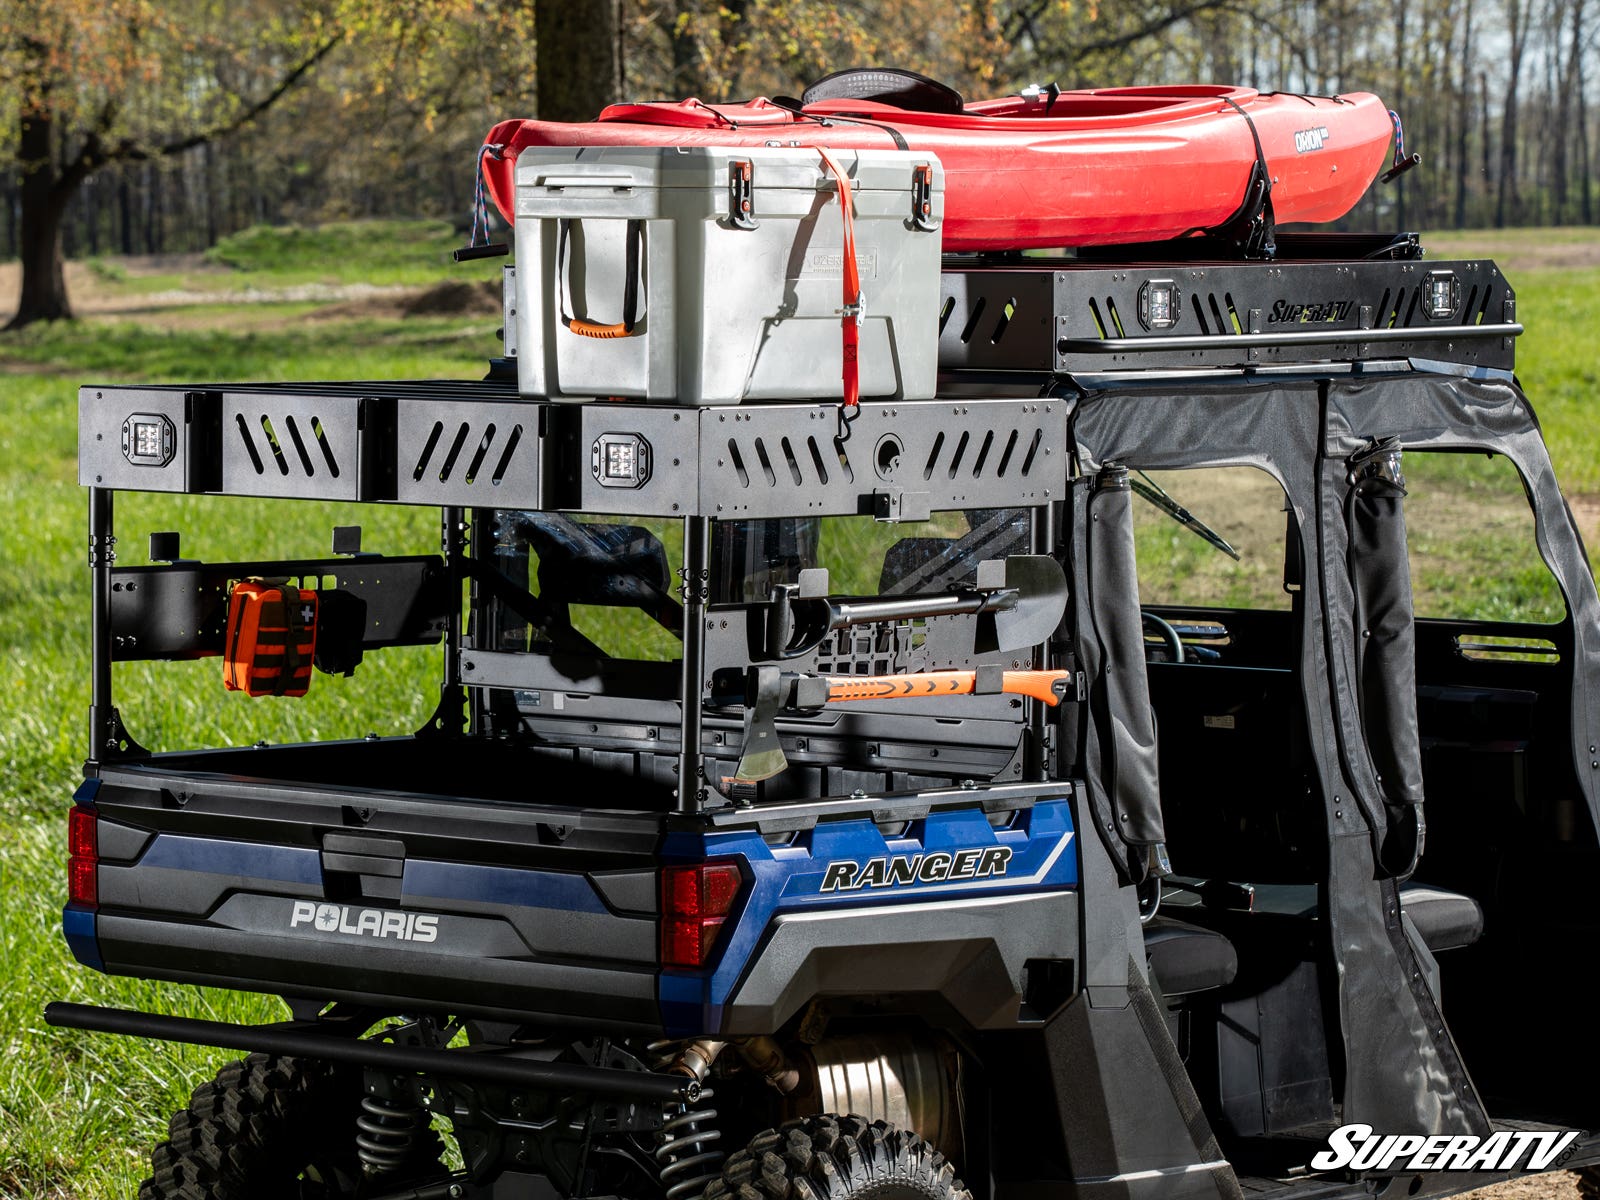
1250 229
291 637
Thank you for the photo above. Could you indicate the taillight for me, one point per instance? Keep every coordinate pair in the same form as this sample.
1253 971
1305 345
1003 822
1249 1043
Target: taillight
694 902
83 846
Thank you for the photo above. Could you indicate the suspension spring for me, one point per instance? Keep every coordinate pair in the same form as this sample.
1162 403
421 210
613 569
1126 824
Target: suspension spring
386 1133
687 1153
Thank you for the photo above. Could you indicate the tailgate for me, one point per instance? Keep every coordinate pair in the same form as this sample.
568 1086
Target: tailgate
480 907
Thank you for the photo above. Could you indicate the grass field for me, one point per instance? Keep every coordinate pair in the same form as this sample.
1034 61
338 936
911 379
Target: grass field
78 1113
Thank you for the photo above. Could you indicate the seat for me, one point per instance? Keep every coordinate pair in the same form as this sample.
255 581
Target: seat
1185 958
1446 920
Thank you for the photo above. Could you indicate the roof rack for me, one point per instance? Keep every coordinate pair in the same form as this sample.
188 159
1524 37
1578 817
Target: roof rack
1326 298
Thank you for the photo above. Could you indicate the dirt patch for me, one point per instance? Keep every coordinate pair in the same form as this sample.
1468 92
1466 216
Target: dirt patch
1586 511
1555 255
1550 1185
91 298
1517 250
88 291
456 299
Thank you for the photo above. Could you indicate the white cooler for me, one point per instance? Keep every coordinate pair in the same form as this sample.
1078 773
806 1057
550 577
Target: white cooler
713 275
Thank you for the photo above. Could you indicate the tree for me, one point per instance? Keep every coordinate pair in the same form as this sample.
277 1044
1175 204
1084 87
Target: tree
93 82
1508 203
90 83
579 58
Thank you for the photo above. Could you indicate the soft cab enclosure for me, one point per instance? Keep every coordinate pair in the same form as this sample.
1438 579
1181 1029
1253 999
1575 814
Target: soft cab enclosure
708 275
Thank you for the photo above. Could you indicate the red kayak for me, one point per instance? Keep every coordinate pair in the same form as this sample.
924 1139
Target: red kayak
1077 168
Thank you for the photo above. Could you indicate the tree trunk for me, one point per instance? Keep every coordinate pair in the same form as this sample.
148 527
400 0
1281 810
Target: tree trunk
1585 201
1580 126
1464 118
1507 205
1400 102
149 181
1483 124
44 282
578 71
91 219
124 212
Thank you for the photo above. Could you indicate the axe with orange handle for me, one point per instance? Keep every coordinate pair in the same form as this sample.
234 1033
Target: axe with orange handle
1049 686
769 691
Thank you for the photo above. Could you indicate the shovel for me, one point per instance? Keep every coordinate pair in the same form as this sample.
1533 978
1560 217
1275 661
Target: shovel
1018 602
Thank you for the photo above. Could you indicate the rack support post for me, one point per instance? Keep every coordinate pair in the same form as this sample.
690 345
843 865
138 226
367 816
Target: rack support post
103 723
696 575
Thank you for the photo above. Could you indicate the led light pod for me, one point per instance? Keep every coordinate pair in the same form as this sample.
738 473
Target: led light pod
1160 305
1441 295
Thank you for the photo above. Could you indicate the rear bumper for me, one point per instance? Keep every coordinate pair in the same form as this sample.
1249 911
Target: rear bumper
334 1039
395 977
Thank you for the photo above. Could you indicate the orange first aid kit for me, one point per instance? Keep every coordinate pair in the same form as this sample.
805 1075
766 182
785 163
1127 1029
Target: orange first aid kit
271 639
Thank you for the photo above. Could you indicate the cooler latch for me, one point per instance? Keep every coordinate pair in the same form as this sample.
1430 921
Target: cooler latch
922 198
741 194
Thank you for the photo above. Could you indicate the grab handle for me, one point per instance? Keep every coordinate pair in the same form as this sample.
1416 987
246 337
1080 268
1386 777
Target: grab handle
590 329
630 288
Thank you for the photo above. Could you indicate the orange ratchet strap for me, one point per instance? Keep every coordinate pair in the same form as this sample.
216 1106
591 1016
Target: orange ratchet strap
854 310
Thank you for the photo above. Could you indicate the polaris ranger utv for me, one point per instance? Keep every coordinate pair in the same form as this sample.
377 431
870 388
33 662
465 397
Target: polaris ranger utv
827 763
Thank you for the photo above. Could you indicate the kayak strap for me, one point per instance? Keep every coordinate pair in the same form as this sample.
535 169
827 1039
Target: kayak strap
790 104
630 286
1250 228
854 310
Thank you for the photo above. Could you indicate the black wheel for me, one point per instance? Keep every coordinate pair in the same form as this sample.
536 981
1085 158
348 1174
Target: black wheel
837 1158
1588 1182
270 1128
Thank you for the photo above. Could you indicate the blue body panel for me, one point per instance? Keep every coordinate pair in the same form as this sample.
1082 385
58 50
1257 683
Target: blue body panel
77 926
248 860
565 891
1036 847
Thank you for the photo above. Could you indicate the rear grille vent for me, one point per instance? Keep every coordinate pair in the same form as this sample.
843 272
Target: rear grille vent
480 454
289 452
797 462
451 467
289 446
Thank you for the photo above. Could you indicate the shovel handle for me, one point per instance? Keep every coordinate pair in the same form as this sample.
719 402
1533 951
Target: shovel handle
1041 685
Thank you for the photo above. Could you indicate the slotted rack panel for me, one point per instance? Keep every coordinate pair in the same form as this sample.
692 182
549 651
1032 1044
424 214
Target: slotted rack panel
467 453
765 461
302 446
